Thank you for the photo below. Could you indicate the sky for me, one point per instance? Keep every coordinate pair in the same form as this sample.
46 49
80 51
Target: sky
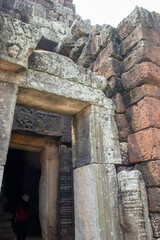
111 12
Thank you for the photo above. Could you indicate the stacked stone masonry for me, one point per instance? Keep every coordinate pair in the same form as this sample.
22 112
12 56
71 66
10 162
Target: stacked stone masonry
120 64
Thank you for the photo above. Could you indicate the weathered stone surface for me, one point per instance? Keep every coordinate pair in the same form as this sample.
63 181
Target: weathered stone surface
128 24
124 153
138 93
8 96
48 191
66 44
64 67
144 145
145 72
140 33
1 2
155 222
95 192
27 119
52 35
80 29
153 199
114 86
133 206
95 137
1 176
85 58
120 108
150 172
106 66
145 114
45 91
107 37
18 40
123 127
143 51
76 51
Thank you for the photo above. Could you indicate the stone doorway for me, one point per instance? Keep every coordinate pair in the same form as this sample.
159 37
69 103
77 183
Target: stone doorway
21 175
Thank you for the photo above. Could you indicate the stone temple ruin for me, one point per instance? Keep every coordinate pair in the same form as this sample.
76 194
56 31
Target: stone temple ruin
79 122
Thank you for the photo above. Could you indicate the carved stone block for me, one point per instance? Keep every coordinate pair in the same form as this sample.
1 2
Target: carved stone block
17 41
133 206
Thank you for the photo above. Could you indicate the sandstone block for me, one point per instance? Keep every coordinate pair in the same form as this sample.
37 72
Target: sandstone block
123 127
76 51
18 42
140 33
150 172
95 137
137 16
124 153
155 222
8 98
145 114
66 44
133 206
96 214
114 86
138 93
63 67
144 145
120 108
153 199
145 72
106 66
142 52
85 58
80 29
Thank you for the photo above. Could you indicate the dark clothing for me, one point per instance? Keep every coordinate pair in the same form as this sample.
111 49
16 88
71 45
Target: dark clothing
22 220
22 227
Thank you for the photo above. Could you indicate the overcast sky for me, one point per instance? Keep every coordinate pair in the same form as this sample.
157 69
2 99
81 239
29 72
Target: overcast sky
111 11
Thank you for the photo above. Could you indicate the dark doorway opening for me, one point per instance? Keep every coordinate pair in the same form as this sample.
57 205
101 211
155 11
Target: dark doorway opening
21 176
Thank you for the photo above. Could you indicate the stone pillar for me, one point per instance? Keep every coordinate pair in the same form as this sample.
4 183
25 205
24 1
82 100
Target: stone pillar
95 150
48 191
8 96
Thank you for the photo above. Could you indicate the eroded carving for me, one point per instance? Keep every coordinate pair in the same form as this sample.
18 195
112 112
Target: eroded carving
17 41
133 206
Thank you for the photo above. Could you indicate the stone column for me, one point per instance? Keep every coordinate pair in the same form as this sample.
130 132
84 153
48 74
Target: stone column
48 191
8 96
95 150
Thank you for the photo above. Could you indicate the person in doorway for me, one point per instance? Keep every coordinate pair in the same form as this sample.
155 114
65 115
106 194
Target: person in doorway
22 217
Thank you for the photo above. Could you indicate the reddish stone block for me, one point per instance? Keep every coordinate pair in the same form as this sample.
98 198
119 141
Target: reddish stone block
155 223
140 33
150 171
114 86
144 145
137 16
123 127
106 66
143 50
153 199
145 72
145 114
138 93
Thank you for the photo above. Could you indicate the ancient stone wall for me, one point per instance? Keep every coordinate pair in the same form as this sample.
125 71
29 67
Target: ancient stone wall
128 57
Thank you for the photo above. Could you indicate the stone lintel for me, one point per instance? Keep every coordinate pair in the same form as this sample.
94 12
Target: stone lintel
95 137
96 209
47 92
8 96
